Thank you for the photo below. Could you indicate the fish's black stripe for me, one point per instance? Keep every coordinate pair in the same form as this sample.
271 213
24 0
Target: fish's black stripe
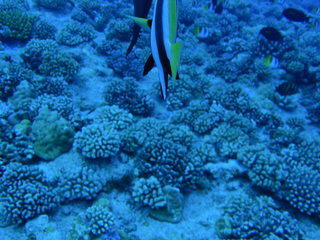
160 41
141 9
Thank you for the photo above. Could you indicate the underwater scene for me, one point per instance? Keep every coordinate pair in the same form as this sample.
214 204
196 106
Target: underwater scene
159 120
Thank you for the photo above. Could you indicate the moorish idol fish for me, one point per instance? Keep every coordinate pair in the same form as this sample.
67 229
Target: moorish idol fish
141 10
295 15
271 34
165 49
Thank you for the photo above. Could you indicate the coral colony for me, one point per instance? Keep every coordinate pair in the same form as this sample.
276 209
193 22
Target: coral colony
159 120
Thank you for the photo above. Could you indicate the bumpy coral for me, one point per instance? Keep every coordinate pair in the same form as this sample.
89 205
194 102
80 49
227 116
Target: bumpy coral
135 137
44 57
84 184
5 110
8 5
53 4
264 168
256 218
10 77
114 117
302 189
314 113
228 140
59 65
148 192
25 193
197 117
163 152
54 86
16 145
202 117
53 134
233 98
22 97
126 94
44 30
17 24
288 103
179 94
131 66
97 14
34 50
75 33
119 29
62 104
168 162
98 141
292 175
100 220
301 186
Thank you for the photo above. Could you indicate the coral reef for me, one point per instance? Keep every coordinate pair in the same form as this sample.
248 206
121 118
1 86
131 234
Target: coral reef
10 76
42 29
62 104
84 184
25 193
53 134
75 33
126 94
100 220
114 117
16 144
17 24
148 192
98 141
291 174
80 125
53 4
256 218
44 57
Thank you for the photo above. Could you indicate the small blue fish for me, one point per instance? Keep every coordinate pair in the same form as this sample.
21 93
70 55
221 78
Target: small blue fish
201 32
216 6
315 25
316 11
272 62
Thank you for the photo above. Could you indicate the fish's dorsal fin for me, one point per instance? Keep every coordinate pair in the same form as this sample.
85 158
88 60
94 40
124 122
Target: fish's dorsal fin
143 22
175 49
149 65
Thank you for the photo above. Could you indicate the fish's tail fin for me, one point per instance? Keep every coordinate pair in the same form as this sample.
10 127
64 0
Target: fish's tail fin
134 39
175 58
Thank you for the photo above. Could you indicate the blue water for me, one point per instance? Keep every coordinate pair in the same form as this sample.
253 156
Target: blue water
95 144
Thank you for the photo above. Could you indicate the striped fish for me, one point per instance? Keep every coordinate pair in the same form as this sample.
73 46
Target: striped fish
165 49
272 62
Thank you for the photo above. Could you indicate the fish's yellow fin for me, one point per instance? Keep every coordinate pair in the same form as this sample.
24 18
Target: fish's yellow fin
142 22
175 58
